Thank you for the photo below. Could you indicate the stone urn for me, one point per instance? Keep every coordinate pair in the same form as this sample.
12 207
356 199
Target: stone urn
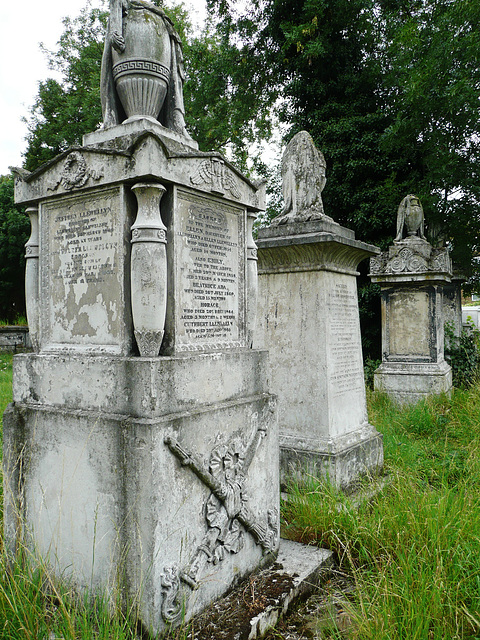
142 71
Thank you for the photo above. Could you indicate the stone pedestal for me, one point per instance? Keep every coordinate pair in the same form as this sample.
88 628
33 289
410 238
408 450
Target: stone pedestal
413 277
452 303
308 320
141 449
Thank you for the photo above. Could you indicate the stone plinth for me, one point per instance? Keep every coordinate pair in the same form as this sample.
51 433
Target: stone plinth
141 449
452 303
413 277
308 320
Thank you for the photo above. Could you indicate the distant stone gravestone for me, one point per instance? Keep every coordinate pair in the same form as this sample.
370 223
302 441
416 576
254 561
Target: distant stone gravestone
308 319
415 280
141 450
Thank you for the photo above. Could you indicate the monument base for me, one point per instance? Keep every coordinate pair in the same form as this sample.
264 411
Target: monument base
343 460
151 502
409 382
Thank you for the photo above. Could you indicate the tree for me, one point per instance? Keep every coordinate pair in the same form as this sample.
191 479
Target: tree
14 232
226 97
65 109
389 91
433 80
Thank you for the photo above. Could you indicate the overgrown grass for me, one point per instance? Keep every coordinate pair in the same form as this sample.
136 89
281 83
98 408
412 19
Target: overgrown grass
414 550
19 320
35 607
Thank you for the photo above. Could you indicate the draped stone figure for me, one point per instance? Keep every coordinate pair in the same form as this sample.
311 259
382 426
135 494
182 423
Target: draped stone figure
303 179
142 67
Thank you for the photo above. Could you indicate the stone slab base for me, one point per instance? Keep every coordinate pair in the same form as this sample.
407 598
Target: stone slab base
177 504
344 466
408 383
257 604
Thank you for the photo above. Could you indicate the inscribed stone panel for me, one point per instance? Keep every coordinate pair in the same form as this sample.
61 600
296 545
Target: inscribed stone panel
209 273
83 271
344 344
409 323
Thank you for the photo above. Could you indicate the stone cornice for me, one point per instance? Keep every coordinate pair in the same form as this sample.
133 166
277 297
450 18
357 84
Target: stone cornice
312 252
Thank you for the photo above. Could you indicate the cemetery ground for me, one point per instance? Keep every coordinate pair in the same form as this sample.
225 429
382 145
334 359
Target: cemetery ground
408 559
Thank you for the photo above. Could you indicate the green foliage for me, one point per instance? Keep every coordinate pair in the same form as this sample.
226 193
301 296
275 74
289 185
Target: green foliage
369 367
412 549
14 232
463 354
67 108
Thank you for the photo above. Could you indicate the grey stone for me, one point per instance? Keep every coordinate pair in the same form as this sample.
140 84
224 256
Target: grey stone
413 277
410 216
141 449
452 303
303 180
142 67
308 319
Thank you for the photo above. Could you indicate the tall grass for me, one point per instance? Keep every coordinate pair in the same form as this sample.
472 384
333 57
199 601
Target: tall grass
414 550
34 605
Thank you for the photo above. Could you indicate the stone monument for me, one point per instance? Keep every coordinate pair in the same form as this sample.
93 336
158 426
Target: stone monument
413 277
308 319
141 449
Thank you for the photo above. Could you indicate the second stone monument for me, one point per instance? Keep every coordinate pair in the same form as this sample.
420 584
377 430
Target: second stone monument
308 319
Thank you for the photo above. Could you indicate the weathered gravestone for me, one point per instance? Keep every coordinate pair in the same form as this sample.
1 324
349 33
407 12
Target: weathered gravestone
308 320
413 277
141 449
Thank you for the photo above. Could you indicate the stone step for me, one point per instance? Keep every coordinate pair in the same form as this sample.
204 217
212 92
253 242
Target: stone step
257 604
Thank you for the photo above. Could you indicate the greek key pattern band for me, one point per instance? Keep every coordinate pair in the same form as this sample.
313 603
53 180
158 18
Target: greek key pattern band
136 65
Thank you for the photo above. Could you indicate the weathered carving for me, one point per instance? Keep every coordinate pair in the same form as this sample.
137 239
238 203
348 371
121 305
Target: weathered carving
226 509
142 67
149 269
31 278
410 215
212 172
407 260
172 604
75 173
303 180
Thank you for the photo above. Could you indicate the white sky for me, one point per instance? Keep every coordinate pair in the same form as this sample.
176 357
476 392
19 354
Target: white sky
22 27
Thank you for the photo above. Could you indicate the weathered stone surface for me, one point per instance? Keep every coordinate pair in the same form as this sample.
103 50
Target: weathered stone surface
413 277
101 495
452 303
157 474
303 180
410 217
142 67
14 338
308 320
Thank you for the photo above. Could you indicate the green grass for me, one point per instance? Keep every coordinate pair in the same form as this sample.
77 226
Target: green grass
19 320
414 550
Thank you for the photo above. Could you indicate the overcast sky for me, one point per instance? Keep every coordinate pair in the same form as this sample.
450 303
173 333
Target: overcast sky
23 26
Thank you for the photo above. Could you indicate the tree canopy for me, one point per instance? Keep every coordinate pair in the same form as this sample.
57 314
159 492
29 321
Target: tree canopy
389 90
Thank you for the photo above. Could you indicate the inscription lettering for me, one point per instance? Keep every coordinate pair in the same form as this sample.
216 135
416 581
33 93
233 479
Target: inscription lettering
209 310
347 374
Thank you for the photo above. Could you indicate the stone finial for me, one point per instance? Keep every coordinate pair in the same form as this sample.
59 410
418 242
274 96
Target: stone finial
142 67
410 215
303 179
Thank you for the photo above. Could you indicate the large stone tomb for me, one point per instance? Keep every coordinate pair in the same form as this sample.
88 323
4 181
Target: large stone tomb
415 281
308 319
141 449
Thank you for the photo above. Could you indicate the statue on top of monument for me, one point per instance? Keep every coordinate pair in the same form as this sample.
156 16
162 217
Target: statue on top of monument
142 67
303 179
410 215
